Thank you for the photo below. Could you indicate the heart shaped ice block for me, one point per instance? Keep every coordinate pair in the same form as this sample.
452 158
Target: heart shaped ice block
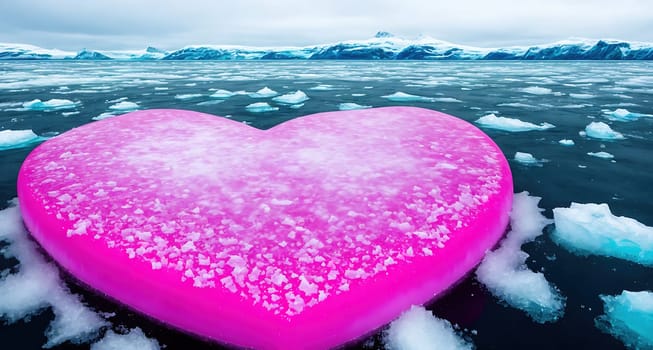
304 236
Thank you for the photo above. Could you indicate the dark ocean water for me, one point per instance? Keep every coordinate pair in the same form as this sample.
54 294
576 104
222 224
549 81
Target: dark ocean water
569 95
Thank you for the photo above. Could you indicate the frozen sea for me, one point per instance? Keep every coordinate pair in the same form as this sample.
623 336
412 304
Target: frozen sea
546 102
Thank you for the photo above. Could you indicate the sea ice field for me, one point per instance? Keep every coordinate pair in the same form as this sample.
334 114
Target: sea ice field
575 269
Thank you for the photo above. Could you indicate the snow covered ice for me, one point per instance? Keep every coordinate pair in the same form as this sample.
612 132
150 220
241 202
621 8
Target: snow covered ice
566 142
293 98
504 271
629 318
602 131
404 97
527 159
264 93
17 138
124 106
602 154
260 107
135 339
50 105
491 121
593 229
348 106
418 329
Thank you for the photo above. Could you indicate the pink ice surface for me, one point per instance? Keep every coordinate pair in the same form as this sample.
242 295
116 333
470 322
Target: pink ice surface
304 236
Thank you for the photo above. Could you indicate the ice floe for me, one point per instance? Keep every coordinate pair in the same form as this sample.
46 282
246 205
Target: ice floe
50 105
187 96
536 90
602 154
592 229
491 121
582 96
351 106
124 106
260 107
135 339
418 329
222 94
292 98
629 318
17 138
404 97
624 115
504 271
323 87
566 142
104 115
264 93
602 131
527 159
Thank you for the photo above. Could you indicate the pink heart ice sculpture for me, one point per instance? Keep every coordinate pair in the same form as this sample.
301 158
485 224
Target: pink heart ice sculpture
304 236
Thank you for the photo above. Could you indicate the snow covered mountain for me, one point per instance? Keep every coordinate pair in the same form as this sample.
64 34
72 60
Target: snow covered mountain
383 46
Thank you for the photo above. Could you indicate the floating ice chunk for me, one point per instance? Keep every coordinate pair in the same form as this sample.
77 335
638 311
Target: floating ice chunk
510 124
124 106
592 229
323 87
104 115
536 90
582 96
601 130
629 318
404 97
187 96
504 271
604 155
135 339
222 94
418 329
348 106
297 106
260 107
264 93
527 159
209 103
17 138
291 98
624 115
446 100
49 105
37 285
566 142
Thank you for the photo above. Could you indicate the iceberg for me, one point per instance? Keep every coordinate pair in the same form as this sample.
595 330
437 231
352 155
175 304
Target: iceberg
602 154
602 131
404 97
348 106
418 329
592 229
263 93
566 142
629 318
260 107
124 106
49 105
17 138
292 98
504 271
491 121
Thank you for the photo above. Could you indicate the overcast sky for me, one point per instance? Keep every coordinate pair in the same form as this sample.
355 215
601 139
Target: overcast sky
169 24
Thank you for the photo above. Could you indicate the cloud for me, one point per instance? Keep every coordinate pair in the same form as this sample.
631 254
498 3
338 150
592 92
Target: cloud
117 24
